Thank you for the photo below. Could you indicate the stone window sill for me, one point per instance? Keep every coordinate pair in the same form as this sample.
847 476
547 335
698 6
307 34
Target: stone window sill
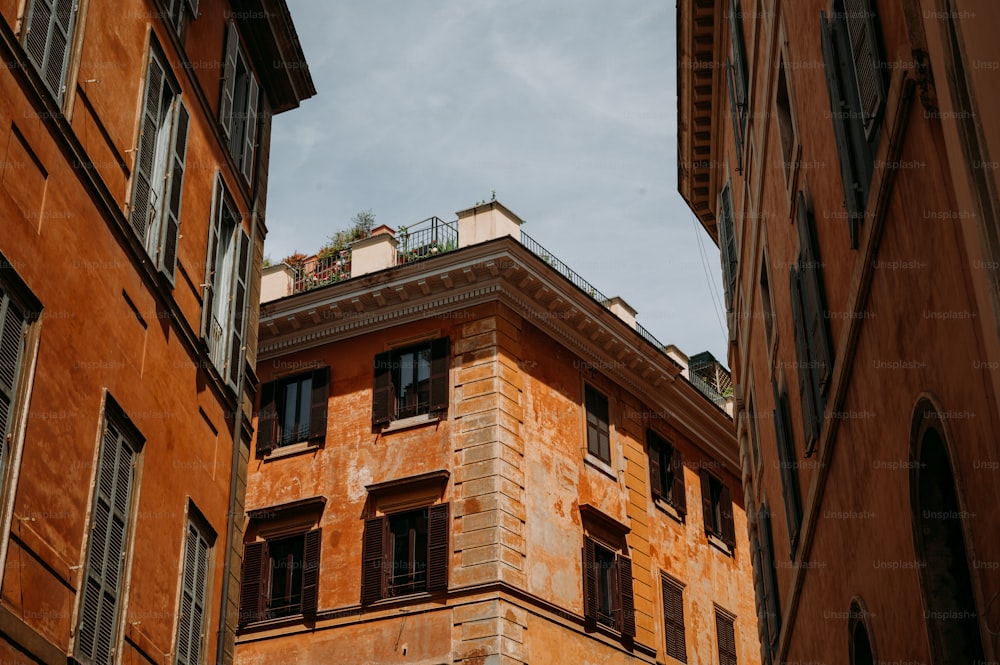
717 542
412 421
600 465
292 450
669 510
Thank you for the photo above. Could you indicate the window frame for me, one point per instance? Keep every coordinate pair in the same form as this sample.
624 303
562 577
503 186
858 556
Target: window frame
270 429
385 407
717 510
673 618
589 391
42 67
241 141
725 635
672 457
377 561
619 583
256 579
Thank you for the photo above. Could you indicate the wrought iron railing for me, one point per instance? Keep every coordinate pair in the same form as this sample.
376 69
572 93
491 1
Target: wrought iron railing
425 239
321 271
706 389
216 344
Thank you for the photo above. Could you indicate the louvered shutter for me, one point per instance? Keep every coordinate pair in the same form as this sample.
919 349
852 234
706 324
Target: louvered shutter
211 259
739 59
319 398
174 189
655 483
728 526
374 574
626 600
789 474
437 546
106 547
814 302
866 59
726 634
440 383
678 497
760 597
840 111
12 327
734 112
193 6
384 392
267 418
146 191
673 615
192 612
238 307
727 245
229 80
50 28
708 512
253 582
772 607
807 393
250 140
598 439
310 571
590 602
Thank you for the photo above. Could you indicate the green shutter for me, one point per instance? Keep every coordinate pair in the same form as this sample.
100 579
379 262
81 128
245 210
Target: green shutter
190 639
106 548
250 125
47 41
867 60
727 246
145 191
739 61
12 327
734 111
229 80
238 305
174 188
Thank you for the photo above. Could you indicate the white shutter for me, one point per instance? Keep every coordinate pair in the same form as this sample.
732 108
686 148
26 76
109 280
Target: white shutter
238 303
192 611
229 80
50 27
145 191
167 255
11 349
250 144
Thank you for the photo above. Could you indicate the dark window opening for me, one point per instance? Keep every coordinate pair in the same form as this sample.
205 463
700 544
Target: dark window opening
408 532
287 559
598 437
607 585
411 381
607 588
293 409
280 577
411 373
861 647
786 130
405 553
717 506
666 470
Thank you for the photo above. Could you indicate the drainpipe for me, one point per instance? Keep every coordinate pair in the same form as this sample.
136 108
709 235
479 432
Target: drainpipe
220 647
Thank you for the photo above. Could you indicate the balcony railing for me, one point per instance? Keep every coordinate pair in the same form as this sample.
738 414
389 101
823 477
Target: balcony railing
425 239
320 271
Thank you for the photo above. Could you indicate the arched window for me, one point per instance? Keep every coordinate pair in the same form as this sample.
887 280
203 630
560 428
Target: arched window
939 520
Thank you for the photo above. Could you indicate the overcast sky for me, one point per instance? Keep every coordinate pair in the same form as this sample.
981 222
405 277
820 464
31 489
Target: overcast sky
565 108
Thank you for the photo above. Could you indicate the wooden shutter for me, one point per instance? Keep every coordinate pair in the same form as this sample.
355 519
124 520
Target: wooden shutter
706 501
384 392
678 495
814 301
267 418
866 59
739 58
47 41
192 612
726 634
437 546
253 582
590 603
598 433
653 444
145 190
175 186
760 597
310 571
807 393
626 601
229 79
789 474
734 112
12 324
238 306
440 383
673 620
319 399
211 258
250 140
727 245
106 547
728 525
374 571
772 609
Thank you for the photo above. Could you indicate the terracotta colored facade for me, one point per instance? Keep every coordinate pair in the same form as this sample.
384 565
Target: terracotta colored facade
503 463
121 464
843 164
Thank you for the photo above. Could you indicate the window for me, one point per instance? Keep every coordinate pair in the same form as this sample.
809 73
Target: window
737 78
855 79
726 634
810 319
280 577
405 553
765 586
786 130
789 472
673 618
179 12
754 437
717 505
411 381
666 472
727 246
194 585
293 409
598 439
47 40
238 109
766 304
227 272
13 328
607 586
107 542
158 175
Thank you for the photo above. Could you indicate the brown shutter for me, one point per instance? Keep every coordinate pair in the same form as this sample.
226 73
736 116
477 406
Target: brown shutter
708 515
789 474
760 598
373 572
310 571
803 359
727 639
728 526
383 393
772 607
653 443
320 397
735 113
589 580
267 418
440 355
255 568
626 602
814 301
673 620
677 494
437 546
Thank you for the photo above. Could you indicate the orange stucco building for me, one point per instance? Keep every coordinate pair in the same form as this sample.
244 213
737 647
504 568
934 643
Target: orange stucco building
464 453
842 154
133 166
